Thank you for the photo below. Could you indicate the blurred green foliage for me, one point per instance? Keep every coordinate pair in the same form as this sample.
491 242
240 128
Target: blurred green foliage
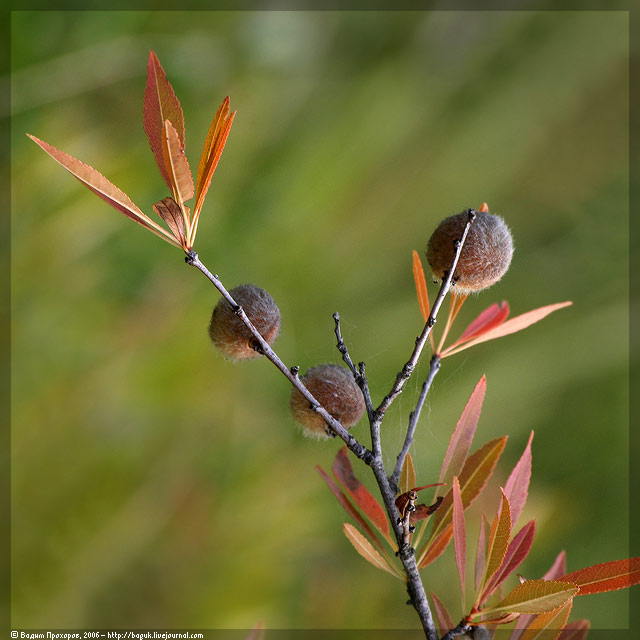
155 484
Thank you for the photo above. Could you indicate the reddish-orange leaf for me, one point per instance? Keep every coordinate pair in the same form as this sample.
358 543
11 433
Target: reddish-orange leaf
474 476
179 171
459 535
169 211
433 549
484 208
370 506
462 436
421 286
211 152
517 551
576 630
160 104
534 596
608 576
366 550
517 485
349 508
558 568
498 540
511 326
445 621
490 318
104 189
547 626
257 633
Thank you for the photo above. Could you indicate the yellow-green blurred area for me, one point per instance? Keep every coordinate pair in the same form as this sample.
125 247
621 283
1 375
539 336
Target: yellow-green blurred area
155 484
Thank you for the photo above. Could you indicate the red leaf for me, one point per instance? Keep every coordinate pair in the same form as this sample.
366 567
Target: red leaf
160 104
179 171
349 508
484 208
576 630
104 189
491 317
462 436
370 506
608 576
511 326
421 286
558 568
481 552
517 551
445 621
459 535
517 486
170 212
435 548
498 542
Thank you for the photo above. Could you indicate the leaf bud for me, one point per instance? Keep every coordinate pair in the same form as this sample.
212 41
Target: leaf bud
485 256
231 336
336 390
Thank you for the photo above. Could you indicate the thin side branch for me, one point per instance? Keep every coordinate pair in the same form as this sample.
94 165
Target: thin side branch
410 365
413 421
358 449
460 630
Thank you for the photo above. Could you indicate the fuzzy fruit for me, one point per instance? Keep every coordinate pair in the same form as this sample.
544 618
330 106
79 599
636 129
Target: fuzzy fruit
336 390
486 254
230 335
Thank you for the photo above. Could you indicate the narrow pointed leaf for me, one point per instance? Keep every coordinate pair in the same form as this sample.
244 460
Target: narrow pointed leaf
445 621
407 475
104 189
481 552
475 473
180 173
558 568
459 535
505 618
349 508
169 211
365 549
511 326
498 539
461 439
257 633
160 104
517 485
549 625
484 208
576 630
517 551
212 150
608 576
535 596
421 286
361 496
435 547
490 318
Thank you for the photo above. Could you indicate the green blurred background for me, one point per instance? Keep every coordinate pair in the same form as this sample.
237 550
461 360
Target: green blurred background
155 484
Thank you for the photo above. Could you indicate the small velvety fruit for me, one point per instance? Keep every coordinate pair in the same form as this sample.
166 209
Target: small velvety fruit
336 390
230 335
486 254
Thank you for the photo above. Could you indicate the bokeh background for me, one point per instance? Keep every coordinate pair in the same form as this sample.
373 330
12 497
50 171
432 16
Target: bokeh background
154 484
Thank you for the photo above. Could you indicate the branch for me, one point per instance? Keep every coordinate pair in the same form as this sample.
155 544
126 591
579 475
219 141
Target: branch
410 365
413 421
358 449
460 630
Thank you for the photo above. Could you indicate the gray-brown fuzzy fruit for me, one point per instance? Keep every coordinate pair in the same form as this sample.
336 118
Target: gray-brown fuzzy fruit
486 254
230 335
336 390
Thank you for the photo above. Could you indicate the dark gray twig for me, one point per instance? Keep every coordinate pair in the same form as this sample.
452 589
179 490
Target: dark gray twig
460 630
413 421
410 365
358 449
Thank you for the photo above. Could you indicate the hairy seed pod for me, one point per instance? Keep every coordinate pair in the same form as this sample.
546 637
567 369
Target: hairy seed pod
231 336
486 254
336 390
